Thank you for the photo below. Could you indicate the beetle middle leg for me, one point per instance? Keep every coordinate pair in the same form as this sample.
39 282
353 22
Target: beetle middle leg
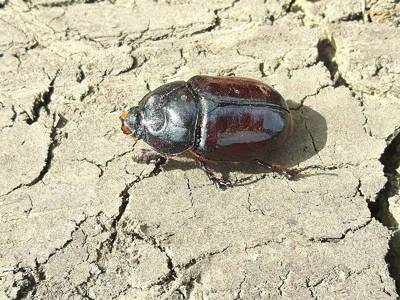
218 181
289 173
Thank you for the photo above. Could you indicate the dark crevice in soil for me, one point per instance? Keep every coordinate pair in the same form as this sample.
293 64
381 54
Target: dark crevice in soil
26 286
289 7
216 23
66 3
53 144
380 208
157 166
217 19
262 70
359 16
3 4
326 54
124 195
343 235
42 102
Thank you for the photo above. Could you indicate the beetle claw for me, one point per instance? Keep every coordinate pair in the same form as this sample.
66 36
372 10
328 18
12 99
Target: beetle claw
288 173
222 183
292 173
275 168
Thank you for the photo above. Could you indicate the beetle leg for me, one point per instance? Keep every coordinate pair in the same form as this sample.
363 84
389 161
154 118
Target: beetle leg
148 156
219 182
289 173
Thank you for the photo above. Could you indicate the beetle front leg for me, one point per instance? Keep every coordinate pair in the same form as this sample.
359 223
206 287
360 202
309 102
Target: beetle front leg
289 173
218 181
148 156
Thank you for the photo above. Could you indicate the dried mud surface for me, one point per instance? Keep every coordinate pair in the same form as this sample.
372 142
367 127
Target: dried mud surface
81 220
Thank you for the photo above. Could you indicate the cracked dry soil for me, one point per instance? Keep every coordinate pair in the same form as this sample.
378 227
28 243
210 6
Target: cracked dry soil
81 220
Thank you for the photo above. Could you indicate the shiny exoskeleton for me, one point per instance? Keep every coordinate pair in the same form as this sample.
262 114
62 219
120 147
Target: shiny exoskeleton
212 118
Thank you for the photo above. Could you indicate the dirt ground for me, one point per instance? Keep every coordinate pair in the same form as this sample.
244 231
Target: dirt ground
81 220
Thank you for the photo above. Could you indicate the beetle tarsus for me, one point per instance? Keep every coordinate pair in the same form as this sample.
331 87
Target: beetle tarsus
288 173
217 181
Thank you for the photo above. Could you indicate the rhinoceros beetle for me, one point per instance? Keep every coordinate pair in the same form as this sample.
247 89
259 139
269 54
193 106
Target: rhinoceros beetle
212 118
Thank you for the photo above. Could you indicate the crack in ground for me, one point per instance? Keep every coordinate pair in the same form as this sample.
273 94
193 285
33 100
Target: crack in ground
303 100
190 192
314 144
50 152
380 208
326 54
216 23
393 135
26 287
13 117
186 277
103 166
390 160
54 142
342 237
249 206
217 19
289 7
43 102
64 3
310 289
283 282
171 276
190 197
124 195
40 266
239 293
265 243
110 243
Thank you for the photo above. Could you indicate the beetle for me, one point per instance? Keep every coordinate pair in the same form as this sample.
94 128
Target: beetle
212 118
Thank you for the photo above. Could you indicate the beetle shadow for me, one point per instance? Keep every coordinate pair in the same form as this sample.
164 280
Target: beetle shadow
308 138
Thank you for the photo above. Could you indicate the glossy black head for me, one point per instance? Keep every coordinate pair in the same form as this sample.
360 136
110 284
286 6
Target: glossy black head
132 122
165 118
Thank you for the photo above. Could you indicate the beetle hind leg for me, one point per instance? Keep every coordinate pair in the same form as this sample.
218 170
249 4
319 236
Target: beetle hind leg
218 181
289 173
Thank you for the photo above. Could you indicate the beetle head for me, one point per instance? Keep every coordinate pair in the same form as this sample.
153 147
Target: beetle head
164 119
132 122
